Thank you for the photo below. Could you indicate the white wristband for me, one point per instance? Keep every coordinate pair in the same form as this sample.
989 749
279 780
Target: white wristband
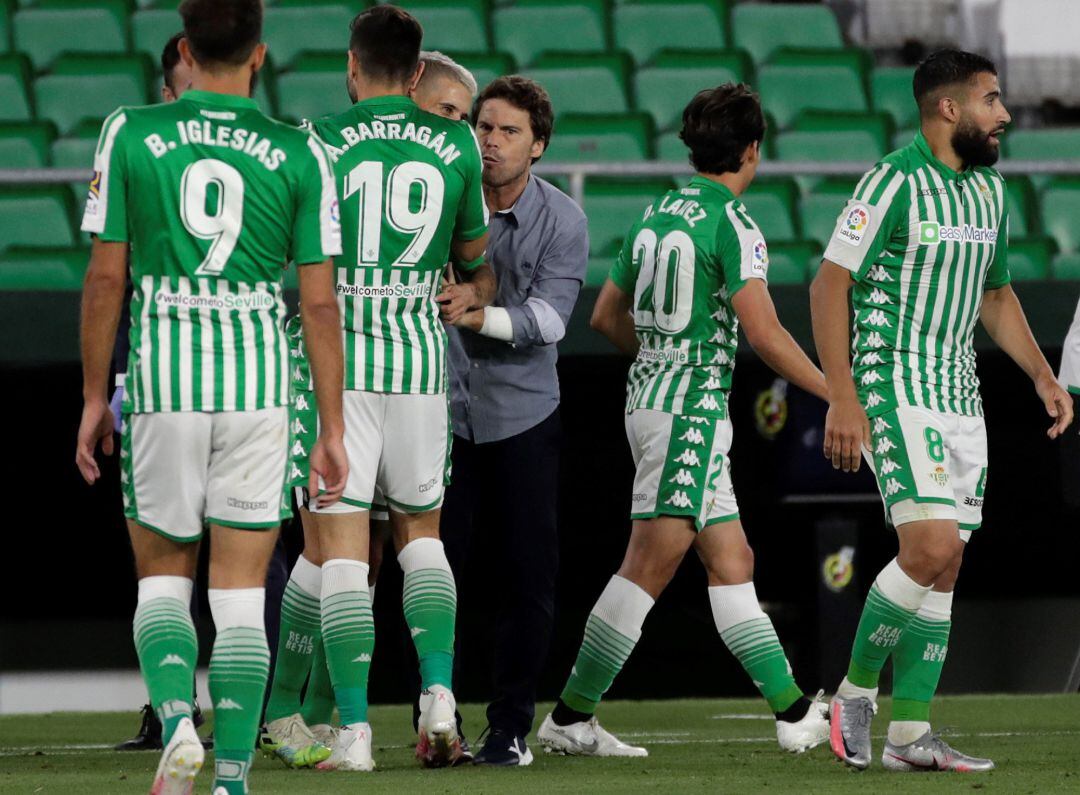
497 324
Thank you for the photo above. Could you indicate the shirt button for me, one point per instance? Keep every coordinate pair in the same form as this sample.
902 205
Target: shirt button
476 365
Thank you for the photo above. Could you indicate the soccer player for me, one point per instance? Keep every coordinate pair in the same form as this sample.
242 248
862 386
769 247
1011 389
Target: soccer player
692 269
214 199
922 249
410 184
297 729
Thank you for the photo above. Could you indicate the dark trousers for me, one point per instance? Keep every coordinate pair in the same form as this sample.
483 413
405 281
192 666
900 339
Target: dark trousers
504 496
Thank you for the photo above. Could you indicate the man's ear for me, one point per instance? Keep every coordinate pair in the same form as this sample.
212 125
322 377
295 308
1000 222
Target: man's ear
537 149
258 57
184 49
416 78
949 109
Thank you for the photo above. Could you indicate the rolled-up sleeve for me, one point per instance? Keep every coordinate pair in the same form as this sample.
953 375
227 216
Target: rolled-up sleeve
542 319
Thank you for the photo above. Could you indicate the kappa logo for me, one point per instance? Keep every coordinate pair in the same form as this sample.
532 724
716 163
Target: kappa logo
298 449
712 382
679 500
873 399
720 315
879 274
683 478
228 703
852 228
693 436
416 631
363 658
294 472
720 357
881 425
893 487
875 317
875 340
872 377
698 420
302 404
688 458
871 358
172 659
888 466
708 403
884 445
719 338
879 297
298 427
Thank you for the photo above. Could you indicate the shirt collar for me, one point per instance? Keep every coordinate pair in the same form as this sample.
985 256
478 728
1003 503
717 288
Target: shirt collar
387 100
214 98
923 148
699 181
525 205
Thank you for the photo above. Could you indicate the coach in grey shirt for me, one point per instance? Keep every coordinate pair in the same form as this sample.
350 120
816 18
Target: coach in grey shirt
505 404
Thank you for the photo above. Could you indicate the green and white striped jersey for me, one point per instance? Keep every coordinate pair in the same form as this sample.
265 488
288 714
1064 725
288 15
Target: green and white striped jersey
214 199
693 249
410 184
923 242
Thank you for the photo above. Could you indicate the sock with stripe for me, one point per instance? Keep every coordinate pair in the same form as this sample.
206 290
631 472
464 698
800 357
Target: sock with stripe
299 636
890 606
348 635
430 604
167 647
318 705
239 667
611 632
749 635
917 662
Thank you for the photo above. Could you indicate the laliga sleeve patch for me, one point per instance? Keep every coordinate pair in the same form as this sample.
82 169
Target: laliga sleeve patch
759 259
852 226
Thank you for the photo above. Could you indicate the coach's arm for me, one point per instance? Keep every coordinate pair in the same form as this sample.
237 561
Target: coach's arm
1004 320
477 286
847 430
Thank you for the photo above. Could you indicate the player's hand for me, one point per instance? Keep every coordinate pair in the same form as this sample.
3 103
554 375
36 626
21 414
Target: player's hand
847 431
1058 402
96 427
455 300
330 464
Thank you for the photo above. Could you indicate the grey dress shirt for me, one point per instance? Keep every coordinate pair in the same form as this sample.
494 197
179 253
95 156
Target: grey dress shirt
539 249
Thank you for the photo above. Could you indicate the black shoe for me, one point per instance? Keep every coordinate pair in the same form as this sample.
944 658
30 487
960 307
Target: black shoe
504 749
196 714
208 742
466 757
149 735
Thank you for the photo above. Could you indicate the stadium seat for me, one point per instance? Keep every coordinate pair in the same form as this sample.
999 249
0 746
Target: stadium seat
91 87
665 86
855 59
1029 258
451 24
53 269
291 28
15 104
51 27
597 270
151 28
1065 267
36 216
825 146
314 88
580 137
902 138
485 67
6 8
1023 206
761 29
1061 143
820 208
584 83
890 91
528 27
877 125
614 205
788 89
25 144
1060 205
771 203
790 263
644 27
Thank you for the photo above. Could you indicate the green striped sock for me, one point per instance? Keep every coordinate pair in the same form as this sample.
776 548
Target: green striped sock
299 637
611 632
755 644
348 635
318 706
919 658
168 651
882 624
429 600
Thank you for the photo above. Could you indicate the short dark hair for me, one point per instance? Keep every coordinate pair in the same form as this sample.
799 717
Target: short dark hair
386 41
718 125
170 57
222 31
524 94
946 68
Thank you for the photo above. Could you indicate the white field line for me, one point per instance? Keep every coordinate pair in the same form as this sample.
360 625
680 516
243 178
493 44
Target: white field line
656 738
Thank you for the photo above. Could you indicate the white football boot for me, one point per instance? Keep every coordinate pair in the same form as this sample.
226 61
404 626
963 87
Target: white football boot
809 732
291 741
325 734
438 743
352 750
181 760
585 738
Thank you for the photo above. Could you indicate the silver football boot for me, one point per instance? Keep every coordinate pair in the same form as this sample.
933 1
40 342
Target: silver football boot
849 730
929 753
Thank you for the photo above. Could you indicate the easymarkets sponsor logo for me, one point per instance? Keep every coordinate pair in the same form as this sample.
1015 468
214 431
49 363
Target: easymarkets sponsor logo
398 290
670 355
251 302
931 232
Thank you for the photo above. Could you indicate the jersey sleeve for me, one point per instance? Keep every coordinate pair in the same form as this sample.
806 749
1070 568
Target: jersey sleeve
868 221
997 275
106 213
741 247
472 217
316 232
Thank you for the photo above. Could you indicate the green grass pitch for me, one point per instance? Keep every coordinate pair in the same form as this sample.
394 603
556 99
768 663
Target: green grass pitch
725 746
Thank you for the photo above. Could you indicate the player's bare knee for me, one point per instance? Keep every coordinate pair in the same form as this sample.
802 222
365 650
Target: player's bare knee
734 567
946 581
929 560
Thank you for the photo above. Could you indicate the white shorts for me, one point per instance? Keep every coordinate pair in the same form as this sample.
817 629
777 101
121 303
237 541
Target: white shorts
181 470
398 445
930 465
683 467
379 511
